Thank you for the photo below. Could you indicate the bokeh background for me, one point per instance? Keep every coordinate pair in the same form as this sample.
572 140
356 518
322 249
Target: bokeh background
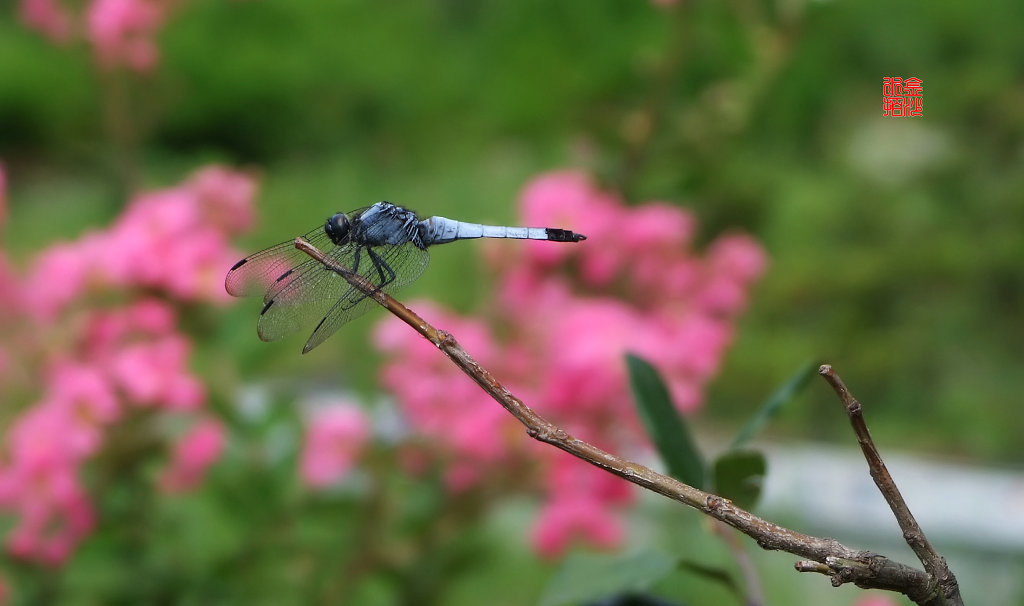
893 249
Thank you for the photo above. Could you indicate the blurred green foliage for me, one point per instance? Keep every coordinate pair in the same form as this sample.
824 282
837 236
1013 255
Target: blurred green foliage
896 243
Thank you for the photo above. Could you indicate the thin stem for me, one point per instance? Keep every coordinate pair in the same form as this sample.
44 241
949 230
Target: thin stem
754 594
120 123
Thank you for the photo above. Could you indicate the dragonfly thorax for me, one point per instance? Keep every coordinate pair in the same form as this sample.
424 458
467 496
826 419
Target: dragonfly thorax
385 224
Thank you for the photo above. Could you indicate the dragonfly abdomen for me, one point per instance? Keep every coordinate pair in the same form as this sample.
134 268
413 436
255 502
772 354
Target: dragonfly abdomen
439 230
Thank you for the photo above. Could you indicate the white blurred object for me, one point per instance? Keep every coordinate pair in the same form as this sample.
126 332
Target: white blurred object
831 489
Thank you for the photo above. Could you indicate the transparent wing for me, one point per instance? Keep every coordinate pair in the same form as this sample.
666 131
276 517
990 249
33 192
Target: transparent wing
302 296
284 267
257 273
313 292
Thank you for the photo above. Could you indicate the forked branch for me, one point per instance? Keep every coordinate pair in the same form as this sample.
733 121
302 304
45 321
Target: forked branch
827 556
934 564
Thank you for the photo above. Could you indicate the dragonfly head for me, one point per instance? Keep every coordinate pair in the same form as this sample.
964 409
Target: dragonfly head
338 227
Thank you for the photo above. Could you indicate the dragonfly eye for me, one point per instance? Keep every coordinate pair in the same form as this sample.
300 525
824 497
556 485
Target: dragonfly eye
337 228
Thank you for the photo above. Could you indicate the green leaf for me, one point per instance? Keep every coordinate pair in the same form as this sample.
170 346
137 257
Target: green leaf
784 394
664 424
739 475
715 574
589 576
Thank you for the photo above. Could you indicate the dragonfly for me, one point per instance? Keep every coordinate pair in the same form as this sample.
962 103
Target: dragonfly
384 243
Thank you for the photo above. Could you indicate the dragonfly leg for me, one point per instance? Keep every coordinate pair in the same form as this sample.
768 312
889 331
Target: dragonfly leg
356 255
386 274
381 266
355 259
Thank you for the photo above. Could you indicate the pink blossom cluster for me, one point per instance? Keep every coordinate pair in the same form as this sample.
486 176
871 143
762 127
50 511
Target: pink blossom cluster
122 33
561 321
876 598
174 240
93 323
335 437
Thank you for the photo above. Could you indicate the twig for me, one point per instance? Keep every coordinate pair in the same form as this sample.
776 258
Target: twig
844 565
934 564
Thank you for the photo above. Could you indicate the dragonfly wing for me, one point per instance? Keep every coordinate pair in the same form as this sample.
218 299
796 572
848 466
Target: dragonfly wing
304 294
387 267
257 273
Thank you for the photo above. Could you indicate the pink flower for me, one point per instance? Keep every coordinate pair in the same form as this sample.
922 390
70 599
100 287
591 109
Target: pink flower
184 392
37 441
85 391
696 344
525 288
196 272
164 213
195 451
722 293
738 255
83 395
876 599
586 371
564 519
40 483
155 372
566 200
658 226
138 350
571 478
55 517
151 316
105 332
57 277
225 197
48 17
335 437
122 32
175 239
